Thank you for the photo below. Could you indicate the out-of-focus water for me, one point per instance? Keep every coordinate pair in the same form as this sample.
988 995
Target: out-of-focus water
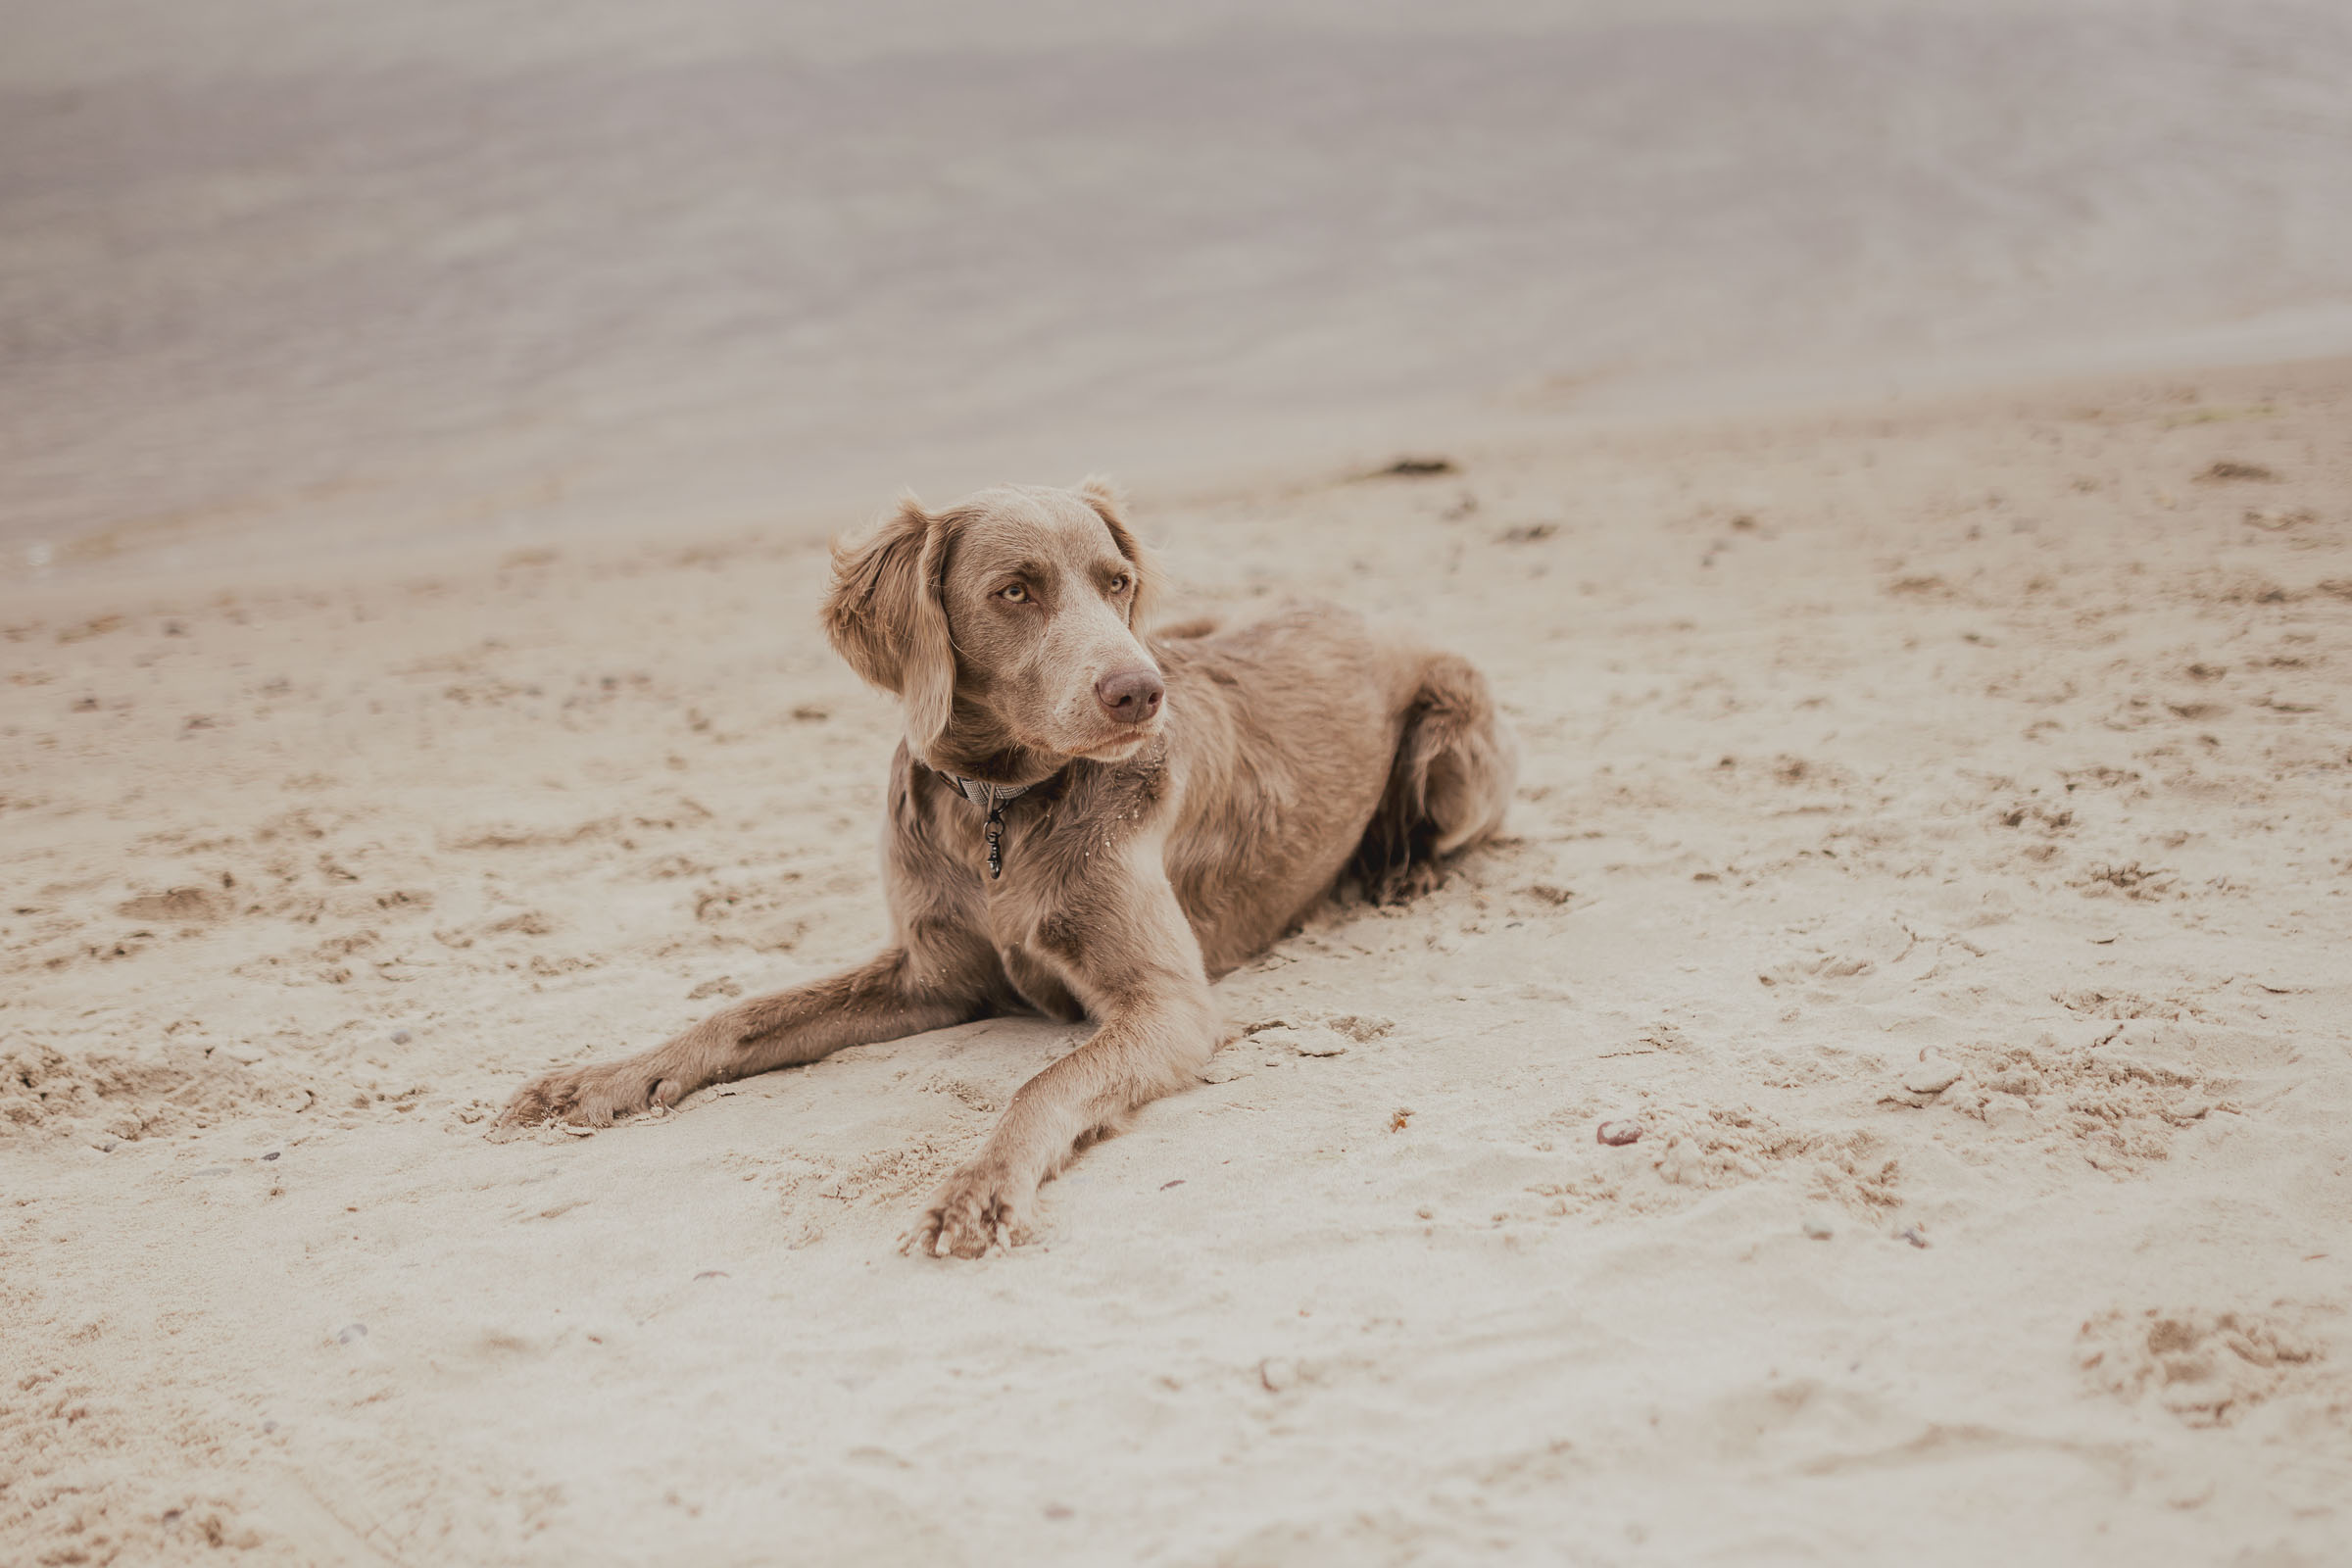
315 272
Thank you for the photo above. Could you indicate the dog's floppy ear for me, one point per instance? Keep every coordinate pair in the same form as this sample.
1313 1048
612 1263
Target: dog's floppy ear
886 616
1110 506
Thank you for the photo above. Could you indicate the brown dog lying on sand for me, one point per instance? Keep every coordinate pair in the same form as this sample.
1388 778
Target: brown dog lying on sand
1088 822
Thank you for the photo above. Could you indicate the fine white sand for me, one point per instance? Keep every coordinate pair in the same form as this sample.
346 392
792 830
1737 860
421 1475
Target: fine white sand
1933 838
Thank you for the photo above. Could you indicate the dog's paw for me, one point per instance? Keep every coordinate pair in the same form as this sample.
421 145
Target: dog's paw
594 1096
979 1208
1406 883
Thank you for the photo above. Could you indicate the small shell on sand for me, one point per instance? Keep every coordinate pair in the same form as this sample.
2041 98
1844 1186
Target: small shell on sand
1932 1076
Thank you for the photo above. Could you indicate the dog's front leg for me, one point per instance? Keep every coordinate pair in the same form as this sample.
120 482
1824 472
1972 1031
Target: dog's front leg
890 996
1139 972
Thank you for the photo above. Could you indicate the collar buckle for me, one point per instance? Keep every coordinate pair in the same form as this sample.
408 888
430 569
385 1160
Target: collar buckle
990 797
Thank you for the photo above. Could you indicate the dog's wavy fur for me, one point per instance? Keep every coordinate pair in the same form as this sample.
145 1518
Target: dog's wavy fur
1150 852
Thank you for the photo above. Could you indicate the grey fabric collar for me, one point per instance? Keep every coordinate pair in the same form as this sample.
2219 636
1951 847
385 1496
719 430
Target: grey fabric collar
990 797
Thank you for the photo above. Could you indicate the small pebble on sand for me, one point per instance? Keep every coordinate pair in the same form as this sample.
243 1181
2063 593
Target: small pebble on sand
1617 1133
1932 1076
1819 1229
1277 1373
351 1331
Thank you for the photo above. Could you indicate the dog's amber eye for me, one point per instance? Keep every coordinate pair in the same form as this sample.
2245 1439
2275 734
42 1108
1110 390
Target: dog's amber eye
1121 583
1017 593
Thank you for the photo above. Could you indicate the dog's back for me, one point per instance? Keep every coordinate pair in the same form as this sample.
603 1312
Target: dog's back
1304 742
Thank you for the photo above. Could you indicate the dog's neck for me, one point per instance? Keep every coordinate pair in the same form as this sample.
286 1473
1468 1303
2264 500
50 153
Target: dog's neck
991 773
988 760
992 799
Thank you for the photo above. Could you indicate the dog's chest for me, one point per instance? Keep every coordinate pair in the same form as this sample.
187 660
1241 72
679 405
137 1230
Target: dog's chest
1022 928
1040 980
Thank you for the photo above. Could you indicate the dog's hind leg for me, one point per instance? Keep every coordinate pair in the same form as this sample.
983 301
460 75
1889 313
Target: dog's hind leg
1448 785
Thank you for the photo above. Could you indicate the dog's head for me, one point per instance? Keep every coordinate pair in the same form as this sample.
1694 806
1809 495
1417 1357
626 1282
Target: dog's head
1012 620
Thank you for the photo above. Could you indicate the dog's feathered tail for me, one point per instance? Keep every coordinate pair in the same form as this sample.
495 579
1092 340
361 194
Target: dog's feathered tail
1449 786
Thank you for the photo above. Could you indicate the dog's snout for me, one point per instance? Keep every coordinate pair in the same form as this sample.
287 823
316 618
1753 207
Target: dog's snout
1130 695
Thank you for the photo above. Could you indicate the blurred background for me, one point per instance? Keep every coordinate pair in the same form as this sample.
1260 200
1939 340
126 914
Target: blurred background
281 276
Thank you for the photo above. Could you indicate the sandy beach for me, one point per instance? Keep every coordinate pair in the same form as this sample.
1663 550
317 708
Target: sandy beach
1882 1101
1933 838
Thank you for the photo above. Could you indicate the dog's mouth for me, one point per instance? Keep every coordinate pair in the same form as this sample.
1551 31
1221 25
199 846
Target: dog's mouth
1095 738
1118 748
1123 741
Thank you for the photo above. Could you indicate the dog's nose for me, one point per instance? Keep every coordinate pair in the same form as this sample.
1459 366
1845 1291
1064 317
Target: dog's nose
1130 695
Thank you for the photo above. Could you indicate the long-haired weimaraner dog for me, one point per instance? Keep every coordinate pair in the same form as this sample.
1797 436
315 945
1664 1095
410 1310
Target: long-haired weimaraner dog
1089 822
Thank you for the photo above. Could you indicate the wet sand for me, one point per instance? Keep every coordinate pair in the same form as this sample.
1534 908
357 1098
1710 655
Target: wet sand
286 280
